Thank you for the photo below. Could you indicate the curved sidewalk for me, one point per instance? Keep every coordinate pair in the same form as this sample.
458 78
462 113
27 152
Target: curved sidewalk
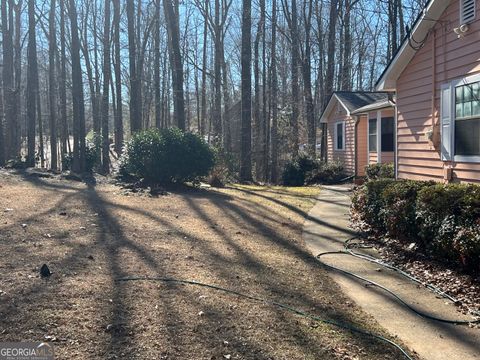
327 229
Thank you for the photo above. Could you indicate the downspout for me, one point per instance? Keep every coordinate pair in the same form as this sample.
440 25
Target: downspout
379 136
395 137
434 55
357 120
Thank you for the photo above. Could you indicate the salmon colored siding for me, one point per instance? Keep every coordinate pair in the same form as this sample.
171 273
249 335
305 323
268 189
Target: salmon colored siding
388 157
346 156
443 58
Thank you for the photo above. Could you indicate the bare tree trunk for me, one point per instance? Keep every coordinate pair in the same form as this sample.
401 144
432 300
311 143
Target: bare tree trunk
392 18
320 90
2 135
257 119
135 106
227 136
106 88
273 97
118 79
374 56
346 72
156 76
307 83
292 19
96 78
77 95
204 71
89 67
197 85
32 82
331 51
41 146
18 77
246 55
9 101
401 19
217 68
52 92
63 82
172 19
265 117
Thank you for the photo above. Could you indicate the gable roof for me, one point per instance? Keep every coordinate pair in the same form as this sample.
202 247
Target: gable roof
377 105
353 100
426 20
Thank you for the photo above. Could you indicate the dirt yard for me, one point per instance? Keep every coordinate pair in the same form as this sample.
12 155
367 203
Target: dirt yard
244 238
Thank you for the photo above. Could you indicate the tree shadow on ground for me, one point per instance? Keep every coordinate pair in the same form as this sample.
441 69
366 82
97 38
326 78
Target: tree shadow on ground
112 243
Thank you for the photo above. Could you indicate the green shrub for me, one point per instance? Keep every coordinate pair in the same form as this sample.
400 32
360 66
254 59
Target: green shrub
326 173
379 171
399 208
467 244
166 156
296 170
444 220
368 204
443 208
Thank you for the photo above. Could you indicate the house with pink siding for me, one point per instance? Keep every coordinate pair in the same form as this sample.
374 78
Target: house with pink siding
436 77
360 129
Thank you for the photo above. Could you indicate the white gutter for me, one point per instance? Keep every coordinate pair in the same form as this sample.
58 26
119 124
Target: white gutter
431 14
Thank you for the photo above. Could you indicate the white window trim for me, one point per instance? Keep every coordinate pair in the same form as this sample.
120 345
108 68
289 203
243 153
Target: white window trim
453 84
336 148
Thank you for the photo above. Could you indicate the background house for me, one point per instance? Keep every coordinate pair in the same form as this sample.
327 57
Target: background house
358 125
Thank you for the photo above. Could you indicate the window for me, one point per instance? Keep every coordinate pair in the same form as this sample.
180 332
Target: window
467 119
467 11
372 134
339 136
387 134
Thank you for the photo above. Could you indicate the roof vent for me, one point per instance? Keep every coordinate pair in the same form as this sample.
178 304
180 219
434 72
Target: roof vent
467 11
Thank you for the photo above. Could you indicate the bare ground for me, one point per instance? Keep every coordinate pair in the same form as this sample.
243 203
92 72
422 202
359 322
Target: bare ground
245 238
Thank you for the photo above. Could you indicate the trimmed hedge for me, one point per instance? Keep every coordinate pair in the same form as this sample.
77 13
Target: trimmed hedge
331 172
379 171
443 220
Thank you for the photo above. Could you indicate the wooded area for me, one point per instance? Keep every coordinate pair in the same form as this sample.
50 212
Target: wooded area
249 77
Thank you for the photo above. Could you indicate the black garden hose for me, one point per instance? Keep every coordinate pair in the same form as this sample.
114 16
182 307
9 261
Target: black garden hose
273 303
348 251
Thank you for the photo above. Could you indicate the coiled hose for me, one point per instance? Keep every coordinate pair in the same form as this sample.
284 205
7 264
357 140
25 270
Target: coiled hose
348 251
272 303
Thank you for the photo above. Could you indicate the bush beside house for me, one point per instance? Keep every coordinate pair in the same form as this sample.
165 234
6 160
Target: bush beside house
443 220
379 171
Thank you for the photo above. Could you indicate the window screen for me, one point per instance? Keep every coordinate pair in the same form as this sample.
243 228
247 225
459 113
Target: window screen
372 135
387 134
467 119
467 100
467 139
339 136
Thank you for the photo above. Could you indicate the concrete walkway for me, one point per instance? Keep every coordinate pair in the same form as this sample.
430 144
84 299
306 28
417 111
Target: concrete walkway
327 229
